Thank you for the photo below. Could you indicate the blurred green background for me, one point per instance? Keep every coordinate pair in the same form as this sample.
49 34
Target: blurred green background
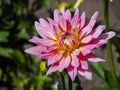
17 69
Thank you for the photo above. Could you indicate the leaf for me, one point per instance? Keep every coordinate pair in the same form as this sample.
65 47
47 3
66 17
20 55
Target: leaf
100 87
4 36
5 52
47 4
18 55
112 80
98 69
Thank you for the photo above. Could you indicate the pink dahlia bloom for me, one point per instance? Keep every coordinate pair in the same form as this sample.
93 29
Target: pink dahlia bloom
67 42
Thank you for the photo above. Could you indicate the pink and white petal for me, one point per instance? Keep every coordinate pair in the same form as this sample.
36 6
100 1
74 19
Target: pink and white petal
76 14
56 16
107 35
91 57
54 58
67 15
47 42
62 10
84 65
63 23
90 46
86 39
98 31
95 15
72 72
52 22
75 60
40 30
35 40
36 50
88 28
96 59
64 63
44 23
84 51
82 18
52 68
86 74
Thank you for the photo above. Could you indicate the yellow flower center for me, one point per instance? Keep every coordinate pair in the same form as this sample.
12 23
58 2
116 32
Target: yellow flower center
68 41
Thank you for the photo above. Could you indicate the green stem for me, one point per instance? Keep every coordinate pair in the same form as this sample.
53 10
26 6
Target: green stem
63 81
77 4
70 84
109 49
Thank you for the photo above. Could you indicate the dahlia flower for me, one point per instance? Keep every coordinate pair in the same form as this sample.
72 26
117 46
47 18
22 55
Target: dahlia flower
67 42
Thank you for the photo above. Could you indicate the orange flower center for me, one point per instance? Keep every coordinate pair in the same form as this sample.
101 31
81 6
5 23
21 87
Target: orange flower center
68 41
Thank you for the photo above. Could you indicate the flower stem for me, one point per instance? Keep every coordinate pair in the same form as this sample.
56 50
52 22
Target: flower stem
77 4
63 81
70 84
109 49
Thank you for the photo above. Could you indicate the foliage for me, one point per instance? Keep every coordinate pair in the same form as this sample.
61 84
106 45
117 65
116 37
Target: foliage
18 69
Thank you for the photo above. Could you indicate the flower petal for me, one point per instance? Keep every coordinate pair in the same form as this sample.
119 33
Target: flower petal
36 50
75 60
86 74
72 72
53 68
84 65
54 58
82 18
87 39
98 31
64 63
56 16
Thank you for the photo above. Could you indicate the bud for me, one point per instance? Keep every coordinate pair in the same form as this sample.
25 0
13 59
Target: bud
65 4
43 66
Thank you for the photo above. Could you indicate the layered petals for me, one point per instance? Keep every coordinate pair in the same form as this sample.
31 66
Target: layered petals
67 42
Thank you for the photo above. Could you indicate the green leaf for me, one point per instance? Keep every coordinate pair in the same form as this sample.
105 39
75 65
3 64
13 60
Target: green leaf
4 36
111 80
5 52
18 55
100 87
98 69
47 4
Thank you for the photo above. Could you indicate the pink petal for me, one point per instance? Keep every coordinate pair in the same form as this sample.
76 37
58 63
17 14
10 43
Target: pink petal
52 69
56 16
98 31
87 39
82 18
84 65
86 74
35 40
47 42
107 35
40 30
84 51
62 10
54 58
52 22
67 15
75 60
72 72
76 14
87 29
96 59
63 23
94 16
44 23
93 58
36 50
64 63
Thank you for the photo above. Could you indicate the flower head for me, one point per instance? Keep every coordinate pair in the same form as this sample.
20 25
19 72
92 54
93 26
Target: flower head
67 42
